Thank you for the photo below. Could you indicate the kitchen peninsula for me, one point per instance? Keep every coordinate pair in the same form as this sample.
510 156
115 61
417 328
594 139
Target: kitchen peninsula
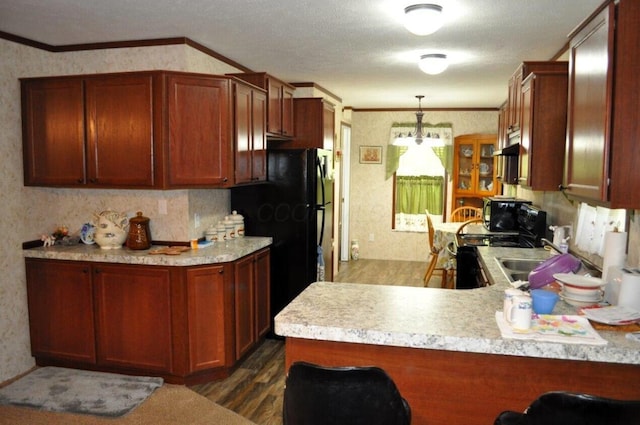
444 350
188 318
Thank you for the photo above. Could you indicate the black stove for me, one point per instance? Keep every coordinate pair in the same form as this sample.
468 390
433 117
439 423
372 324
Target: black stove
532 225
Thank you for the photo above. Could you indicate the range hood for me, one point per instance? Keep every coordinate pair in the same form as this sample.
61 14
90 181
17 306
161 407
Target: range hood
511 150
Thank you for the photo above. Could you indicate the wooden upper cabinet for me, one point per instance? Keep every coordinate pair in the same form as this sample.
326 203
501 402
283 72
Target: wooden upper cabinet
604 109
89 131
543 129
140 130
199 131
514 102
590 96
314 125
120 129
280 112
625 150
250 105
53 131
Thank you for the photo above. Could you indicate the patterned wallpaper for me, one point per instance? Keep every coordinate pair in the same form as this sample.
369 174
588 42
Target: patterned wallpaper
28 212
371 195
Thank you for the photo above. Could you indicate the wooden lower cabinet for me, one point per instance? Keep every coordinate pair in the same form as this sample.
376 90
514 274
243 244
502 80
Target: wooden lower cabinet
60 300
252 306
176 322
133 316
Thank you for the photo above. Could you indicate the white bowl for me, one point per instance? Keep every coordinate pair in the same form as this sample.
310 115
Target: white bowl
574 290
596 296
579 303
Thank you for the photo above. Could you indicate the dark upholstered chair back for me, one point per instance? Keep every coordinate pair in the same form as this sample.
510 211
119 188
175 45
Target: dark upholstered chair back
564 408
316 395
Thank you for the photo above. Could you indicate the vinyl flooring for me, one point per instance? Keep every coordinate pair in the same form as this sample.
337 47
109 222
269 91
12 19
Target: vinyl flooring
255 389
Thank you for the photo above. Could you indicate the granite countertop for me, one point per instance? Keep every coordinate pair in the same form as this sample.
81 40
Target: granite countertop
218 253
433 318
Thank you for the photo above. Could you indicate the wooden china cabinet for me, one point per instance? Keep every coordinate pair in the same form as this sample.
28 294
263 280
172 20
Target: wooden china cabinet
474 169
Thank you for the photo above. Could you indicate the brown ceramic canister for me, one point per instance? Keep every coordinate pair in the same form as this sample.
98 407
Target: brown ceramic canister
139 234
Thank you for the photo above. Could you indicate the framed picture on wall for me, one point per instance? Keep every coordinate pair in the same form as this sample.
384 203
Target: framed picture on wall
370 154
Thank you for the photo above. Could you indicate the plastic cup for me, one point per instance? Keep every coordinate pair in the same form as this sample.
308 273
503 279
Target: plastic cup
543 301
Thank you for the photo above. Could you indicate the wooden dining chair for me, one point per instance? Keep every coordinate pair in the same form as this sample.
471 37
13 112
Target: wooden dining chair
465 213
434 252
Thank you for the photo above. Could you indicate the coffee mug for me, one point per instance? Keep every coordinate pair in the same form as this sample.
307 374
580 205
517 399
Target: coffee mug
508 300
519 312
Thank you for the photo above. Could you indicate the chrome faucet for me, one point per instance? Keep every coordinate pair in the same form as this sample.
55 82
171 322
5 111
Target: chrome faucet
547 242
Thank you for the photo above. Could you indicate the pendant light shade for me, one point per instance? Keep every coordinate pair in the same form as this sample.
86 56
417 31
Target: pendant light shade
423 19
433 63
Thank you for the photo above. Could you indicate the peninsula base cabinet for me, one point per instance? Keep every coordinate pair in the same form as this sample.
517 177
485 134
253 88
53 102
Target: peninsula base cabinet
175 322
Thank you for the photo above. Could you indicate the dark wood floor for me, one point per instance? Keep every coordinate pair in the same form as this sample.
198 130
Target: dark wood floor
256 387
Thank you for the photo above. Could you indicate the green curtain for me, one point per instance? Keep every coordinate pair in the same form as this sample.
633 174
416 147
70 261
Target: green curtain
417 194
393 159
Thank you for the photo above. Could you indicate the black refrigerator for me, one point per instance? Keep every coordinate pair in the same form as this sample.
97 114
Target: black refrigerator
295 208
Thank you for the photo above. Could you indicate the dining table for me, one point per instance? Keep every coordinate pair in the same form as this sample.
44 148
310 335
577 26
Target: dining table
444 240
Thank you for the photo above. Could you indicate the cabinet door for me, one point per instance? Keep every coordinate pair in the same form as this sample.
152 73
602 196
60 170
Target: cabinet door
274 120
515 100
465 168
242 112
120 130
199 139
60 300
209 316
262 292
53 132
133 309
244 305
258 136
486 168
287 111
589 119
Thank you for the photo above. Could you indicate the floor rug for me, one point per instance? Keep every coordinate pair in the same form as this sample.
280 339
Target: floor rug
59 389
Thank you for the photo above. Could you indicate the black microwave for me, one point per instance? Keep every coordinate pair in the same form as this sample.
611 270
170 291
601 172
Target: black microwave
501 213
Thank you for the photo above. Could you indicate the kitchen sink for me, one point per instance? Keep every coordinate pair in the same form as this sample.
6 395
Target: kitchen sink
517 268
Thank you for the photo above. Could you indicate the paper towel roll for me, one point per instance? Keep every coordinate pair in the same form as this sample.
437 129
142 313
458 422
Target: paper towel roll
629 295
615 246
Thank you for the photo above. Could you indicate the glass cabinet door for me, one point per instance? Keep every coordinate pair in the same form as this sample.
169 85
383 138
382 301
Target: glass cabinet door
466 167
485 167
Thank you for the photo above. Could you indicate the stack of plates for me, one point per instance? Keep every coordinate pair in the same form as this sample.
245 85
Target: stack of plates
578 290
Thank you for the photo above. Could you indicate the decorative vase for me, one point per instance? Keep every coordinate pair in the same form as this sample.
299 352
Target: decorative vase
355 250
111 229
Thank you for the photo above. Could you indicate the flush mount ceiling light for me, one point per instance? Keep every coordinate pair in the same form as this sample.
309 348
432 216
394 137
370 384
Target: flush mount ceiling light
433 63
423 19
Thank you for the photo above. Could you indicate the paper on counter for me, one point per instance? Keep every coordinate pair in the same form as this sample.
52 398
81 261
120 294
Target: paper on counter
553 328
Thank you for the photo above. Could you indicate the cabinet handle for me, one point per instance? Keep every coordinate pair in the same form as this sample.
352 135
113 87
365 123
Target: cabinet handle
221 271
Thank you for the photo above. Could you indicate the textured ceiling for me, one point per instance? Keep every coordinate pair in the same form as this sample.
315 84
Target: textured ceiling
357 49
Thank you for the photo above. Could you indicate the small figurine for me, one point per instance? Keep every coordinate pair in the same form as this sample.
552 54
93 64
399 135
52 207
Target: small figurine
48 240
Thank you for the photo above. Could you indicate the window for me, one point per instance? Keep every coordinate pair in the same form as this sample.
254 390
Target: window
419 186
419 174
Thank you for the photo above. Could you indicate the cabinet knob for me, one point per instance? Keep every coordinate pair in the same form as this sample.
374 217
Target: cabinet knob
93 180
225 179
221 271
80 181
